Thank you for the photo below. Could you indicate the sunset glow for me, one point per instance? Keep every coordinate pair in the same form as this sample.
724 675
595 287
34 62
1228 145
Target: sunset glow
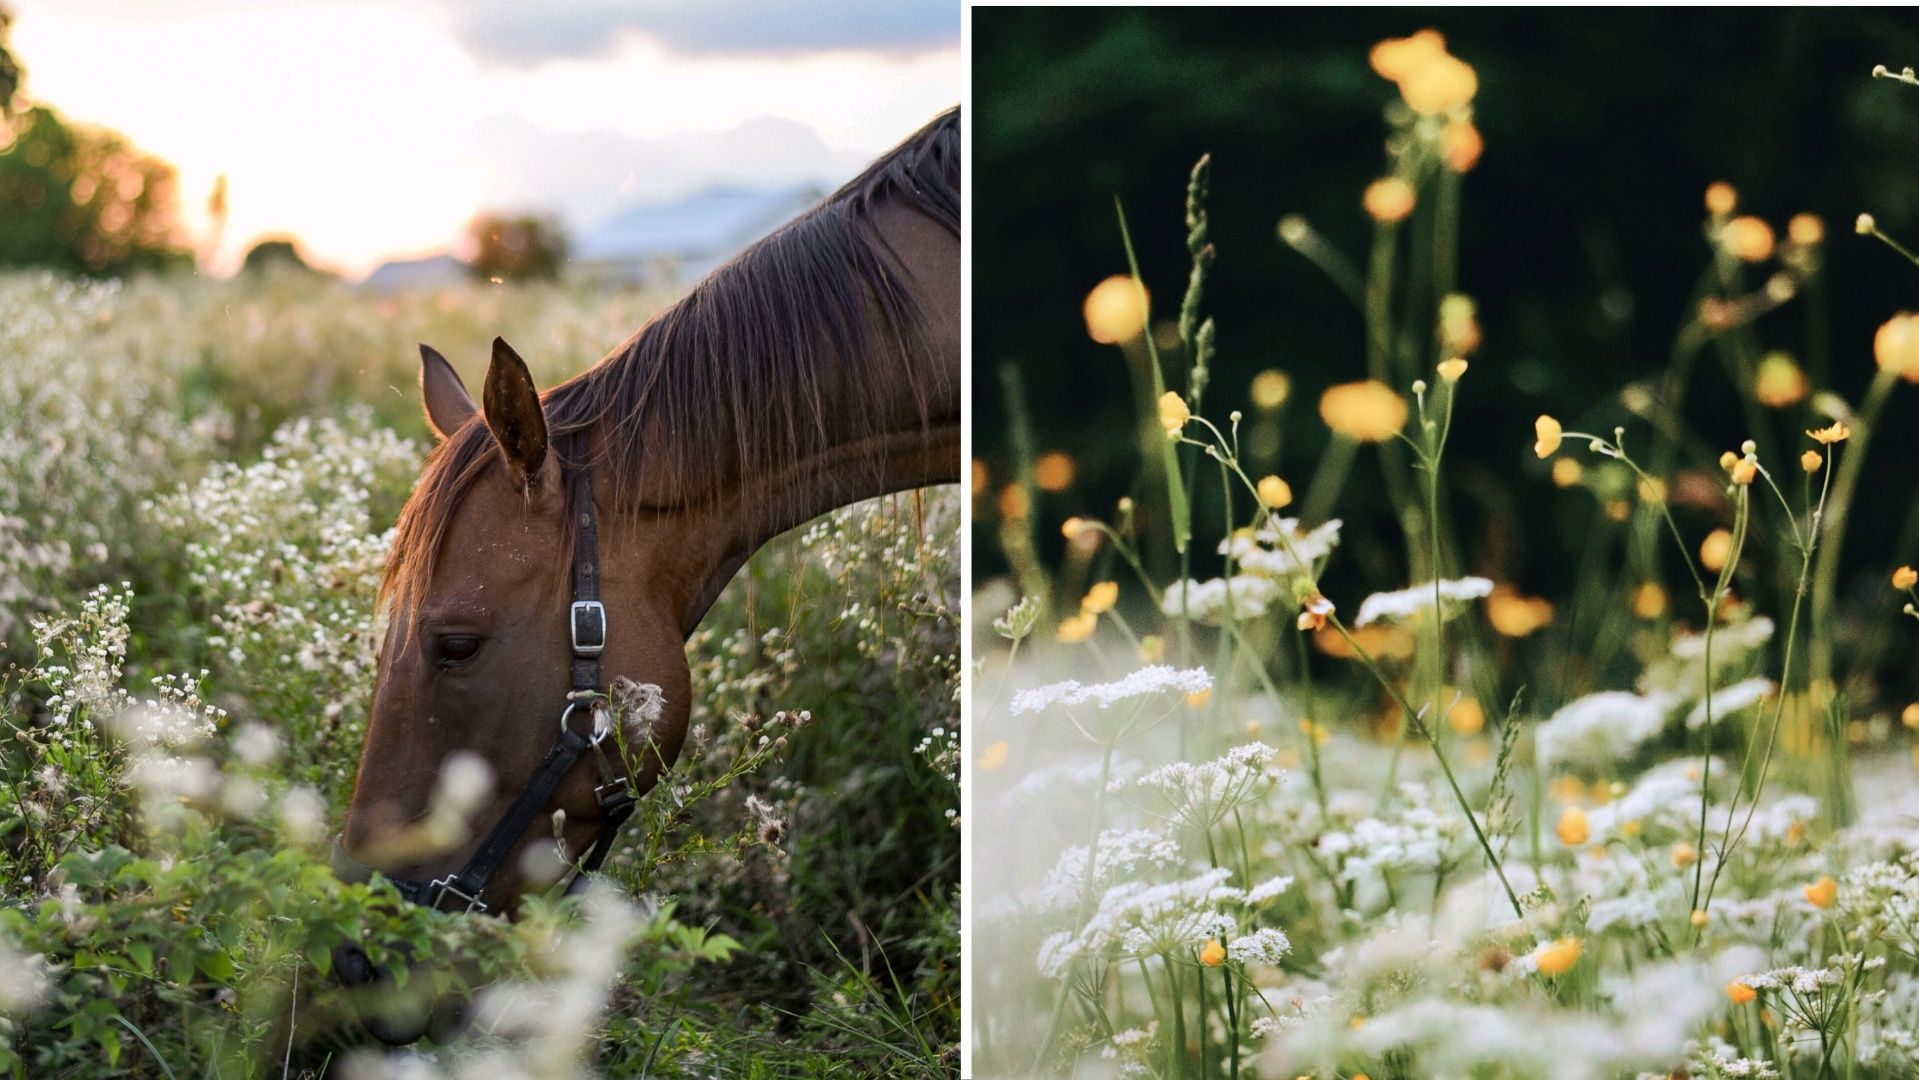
371 130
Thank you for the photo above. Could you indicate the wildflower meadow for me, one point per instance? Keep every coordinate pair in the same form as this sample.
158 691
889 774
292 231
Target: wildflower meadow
1262 792
198 480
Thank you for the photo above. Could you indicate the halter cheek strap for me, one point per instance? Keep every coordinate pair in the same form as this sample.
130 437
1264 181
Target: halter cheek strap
587 633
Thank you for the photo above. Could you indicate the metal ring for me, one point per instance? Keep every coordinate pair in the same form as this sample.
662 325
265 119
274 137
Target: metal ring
596 737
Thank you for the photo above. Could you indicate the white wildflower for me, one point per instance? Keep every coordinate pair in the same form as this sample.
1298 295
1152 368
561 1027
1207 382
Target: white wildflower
1405 603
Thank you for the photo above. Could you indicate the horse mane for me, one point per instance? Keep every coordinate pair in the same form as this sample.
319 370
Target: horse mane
733 375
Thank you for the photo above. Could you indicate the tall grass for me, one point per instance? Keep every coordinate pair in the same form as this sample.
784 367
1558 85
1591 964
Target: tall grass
196 485
1269 827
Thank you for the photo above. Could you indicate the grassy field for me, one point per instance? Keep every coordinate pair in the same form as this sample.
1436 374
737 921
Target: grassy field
196 484
1278 794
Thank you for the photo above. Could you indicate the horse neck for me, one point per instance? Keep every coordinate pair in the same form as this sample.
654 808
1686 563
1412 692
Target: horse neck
903 434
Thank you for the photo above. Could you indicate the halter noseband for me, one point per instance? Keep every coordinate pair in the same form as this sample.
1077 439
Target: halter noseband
586 624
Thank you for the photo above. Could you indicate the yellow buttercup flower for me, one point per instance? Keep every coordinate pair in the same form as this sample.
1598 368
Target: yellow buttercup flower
1779 382
1649 601
1806 230
1100 598
1546 436
993 758
1573 828
1699 919
1114 312
1557 958
1810 461
1441 84
1366 411
1388 199
1684 855
1905 578
1896 346
1271 388
1173 413
1461 144
1431 80
1053 471
1451 370
1749 239
1466 717
1275 493
982 479
1714 549
1514 615
1567 471
1213 953
1313 612
1013 503
1721 198
1739 993
1077 628
1744 470
1909 716
1826 436
1198 698
1396 58
1822 893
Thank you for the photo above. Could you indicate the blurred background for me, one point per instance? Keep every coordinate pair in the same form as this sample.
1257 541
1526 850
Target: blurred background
1582 241
415 142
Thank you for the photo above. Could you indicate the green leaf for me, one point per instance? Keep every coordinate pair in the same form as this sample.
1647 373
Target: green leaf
320 956
141 954
217 965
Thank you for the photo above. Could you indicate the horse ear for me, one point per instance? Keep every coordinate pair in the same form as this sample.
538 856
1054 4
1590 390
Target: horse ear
448 405
513 413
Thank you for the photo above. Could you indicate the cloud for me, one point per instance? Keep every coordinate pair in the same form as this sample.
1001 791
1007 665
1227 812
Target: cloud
586 176
515 32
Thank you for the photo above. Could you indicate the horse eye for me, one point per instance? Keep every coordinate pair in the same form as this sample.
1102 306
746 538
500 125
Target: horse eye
458 649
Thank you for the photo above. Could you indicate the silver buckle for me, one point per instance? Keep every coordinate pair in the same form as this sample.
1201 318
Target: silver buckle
598 611
444 886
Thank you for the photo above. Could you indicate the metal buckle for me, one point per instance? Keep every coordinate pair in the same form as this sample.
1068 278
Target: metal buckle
445 885
599 733
595 638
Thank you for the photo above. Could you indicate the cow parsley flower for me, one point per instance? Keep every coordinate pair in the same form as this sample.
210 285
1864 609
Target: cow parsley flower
1151 681
1406 603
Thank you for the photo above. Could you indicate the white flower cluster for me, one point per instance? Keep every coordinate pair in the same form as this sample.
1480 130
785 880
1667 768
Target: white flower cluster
86 432
1147 682
1405 603
1420 832
1217 601
286 554
1601 729
1122 853
1262 551
1201 794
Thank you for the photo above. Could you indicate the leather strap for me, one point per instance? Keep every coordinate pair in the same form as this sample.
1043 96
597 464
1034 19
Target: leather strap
587 630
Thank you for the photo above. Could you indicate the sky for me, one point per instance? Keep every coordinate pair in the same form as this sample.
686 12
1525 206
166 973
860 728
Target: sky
372 129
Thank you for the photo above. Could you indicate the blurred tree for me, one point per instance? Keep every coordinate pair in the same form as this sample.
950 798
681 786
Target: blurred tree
82 199
275 254
11 74
517 247
74 197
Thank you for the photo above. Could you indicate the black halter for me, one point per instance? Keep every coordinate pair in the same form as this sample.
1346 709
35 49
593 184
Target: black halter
586 623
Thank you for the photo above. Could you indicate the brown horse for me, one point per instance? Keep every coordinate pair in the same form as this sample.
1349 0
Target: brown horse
818 368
